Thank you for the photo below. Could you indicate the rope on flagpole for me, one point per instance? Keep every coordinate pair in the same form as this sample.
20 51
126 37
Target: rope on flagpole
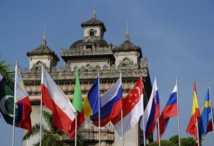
178 116
14 106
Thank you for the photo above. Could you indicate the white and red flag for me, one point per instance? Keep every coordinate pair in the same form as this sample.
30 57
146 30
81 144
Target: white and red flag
23 103
131 109
53 98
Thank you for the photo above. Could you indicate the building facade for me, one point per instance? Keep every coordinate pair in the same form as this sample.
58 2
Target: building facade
91 54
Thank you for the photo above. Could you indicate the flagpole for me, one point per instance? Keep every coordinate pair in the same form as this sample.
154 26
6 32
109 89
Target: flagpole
40 123
178 116
123 142
122 127
75 138
144 134
75 141
14 105
158 130
99 109
198 138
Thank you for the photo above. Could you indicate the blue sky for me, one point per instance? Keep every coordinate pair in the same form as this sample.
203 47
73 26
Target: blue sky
177 36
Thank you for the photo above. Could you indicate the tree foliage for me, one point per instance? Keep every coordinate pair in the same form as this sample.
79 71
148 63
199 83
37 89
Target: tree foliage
173 141
50 135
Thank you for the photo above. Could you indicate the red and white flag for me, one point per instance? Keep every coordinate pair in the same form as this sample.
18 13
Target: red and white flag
23 103
131 109
63 112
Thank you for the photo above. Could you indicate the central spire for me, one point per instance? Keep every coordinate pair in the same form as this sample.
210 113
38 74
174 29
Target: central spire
94 13
127 36
44 41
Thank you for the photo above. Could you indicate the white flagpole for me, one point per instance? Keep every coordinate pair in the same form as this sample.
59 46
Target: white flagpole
198 138
143 122
144 134
99 102
158 130
14 105
75 141
123 142
178 116
122 127
40 123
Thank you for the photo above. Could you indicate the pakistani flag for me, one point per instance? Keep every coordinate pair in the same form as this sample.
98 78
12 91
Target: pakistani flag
7 100
77 100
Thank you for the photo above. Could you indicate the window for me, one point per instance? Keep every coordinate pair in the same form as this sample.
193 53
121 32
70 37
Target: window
92 32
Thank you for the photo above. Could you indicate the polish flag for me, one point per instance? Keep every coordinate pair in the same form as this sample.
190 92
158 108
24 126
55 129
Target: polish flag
63 112
131 110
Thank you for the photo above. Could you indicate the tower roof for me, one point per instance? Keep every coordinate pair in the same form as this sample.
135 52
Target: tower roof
43 49
93 21
127 45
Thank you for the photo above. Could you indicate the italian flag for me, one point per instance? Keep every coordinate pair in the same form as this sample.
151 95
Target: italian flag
77 100
53 98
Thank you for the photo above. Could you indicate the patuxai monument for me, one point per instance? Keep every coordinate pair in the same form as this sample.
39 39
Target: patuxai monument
91 54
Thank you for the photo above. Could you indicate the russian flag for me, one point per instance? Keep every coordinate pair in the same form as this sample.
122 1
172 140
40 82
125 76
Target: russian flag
110 104
23 102
169 111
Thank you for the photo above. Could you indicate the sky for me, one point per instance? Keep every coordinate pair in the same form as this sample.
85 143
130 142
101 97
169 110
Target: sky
177 37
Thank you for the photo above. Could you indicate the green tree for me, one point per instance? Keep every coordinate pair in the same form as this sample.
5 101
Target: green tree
173 141
5 71
50 135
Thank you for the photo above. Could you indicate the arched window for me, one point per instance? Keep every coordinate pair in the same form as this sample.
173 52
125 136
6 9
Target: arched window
92 32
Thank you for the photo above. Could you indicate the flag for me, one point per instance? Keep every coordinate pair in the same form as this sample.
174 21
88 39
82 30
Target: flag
7 100
53 98
205 116
77 100
131 109
169 111
107 103
22 101
152 110
91 102
193 124
86 107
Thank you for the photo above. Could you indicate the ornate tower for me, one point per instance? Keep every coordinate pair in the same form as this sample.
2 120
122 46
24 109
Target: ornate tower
91 54
42 55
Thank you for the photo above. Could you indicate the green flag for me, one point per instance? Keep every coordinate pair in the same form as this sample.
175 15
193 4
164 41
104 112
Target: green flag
7 100
77 98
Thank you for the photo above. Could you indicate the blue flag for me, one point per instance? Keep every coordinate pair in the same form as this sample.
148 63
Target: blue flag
205 114
94 96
